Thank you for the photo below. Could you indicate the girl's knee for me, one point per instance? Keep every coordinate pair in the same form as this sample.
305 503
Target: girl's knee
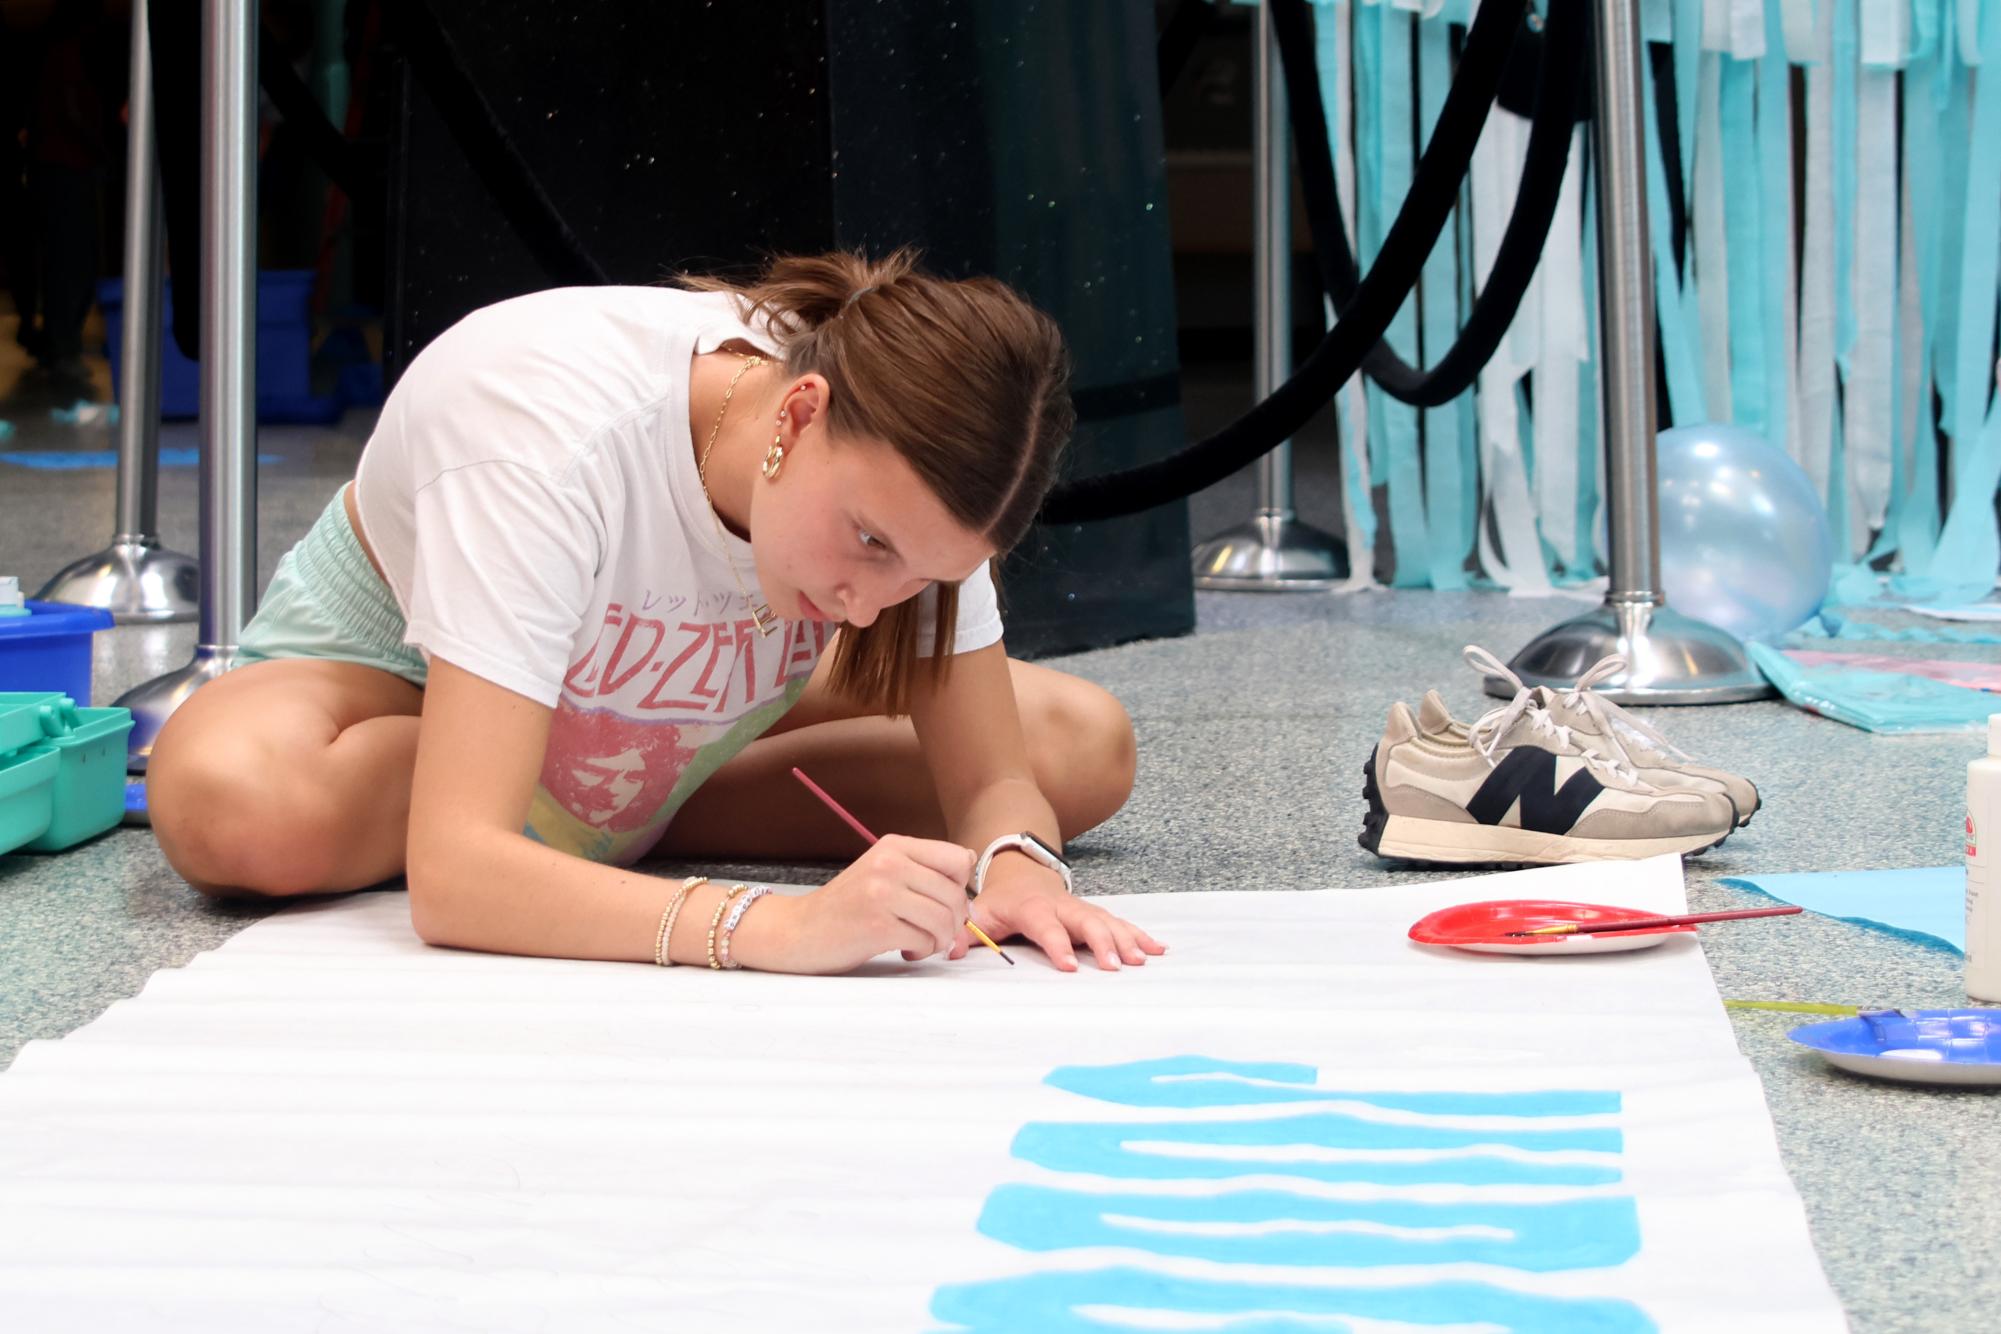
1089 736
232 829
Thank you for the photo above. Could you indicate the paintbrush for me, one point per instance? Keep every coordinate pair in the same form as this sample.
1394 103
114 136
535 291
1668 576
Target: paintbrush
862 829
1648 923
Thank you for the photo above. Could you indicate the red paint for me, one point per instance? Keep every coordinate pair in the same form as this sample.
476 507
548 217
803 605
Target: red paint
1491 921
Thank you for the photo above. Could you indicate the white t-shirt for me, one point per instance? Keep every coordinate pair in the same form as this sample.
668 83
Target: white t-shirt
530 491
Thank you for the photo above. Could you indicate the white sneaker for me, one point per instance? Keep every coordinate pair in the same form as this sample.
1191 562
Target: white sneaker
1517 788
1608 729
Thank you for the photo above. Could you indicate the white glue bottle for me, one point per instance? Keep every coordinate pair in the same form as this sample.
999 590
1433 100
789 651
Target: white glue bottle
1983 870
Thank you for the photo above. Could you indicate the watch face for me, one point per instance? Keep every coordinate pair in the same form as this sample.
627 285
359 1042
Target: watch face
1053 853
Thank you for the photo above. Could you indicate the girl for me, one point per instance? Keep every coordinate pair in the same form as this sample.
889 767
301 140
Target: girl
617 558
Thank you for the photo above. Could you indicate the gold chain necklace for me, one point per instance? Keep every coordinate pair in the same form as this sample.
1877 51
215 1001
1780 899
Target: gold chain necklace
760 613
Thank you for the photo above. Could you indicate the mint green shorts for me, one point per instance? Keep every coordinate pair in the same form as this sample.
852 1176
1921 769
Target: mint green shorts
326 601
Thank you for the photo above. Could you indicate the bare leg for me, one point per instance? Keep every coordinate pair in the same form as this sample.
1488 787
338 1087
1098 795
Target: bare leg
1079 740
287 777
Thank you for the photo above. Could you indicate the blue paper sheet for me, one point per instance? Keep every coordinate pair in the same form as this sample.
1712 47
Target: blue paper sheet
1926 904
1888 702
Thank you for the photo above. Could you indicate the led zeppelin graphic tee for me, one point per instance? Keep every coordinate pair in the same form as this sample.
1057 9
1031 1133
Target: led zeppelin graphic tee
530 491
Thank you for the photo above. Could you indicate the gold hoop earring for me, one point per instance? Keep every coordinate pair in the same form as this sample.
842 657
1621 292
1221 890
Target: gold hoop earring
774 458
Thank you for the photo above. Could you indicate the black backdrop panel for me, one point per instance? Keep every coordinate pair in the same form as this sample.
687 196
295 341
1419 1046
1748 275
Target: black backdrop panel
1018 141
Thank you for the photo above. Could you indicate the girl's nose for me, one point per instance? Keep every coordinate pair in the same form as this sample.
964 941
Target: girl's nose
857 609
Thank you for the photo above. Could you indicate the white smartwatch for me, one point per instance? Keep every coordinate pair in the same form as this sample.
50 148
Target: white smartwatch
1022 842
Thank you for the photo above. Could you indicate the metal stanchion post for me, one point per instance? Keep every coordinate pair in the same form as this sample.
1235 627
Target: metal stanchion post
135 578
1274 552
228 367
1671 658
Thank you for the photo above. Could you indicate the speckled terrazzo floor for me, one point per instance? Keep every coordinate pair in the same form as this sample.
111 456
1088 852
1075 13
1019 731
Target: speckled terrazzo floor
1252 734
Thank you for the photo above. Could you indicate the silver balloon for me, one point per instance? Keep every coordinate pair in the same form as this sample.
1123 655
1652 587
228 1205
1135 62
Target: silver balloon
1744 538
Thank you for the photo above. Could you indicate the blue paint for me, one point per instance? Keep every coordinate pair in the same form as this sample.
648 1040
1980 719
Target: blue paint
80 460
1283 1228
1102 1148
1591 1233
1048 1304
1202 1081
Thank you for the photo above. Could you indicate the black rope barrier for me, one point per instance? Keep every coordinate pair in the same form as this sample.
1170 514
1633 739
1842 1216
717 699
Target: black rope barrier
1434 191
1365 304
1560 97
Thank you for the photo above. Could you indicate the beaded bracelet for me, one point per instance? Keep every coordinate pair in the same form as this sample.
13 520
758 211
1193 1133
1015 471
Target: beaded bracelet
716 922
662 941
743 902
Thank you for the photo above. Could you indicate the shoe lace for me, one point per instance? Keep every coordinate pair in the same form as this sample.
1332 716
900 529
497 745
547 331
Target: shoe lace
1488 729
1620 729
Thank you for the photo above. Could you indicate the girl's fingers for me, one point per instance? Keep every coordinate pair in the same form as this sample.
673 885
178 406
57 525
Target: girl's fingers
914 942
1098 935
948 860
939 924
1046 930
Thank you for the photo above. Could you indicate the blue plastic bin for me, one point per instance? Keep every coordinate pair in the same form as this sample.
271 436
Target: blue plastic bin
49 648
284 350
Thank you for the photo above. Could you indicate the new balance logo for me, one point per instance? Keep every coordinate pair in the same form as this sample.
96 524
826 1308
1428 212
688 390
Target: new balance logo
1529 774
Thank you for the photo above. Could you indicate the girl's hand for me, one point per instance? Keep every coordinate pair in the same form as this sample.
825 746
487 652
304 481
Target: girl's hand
1039 908
905 894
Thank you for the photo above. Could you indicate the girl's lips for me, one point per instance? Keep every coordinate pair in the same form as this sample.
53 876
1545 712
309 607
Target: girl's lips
813 613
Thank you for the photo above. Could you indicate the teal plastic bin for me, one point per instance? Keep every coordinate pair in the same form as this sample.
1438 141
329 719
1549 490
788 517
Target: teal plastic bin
88 793
31 716
62 770
27 796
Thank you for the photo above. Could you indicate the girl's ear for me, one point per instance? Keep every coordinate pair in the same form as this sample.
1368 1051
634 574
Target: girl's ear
804 404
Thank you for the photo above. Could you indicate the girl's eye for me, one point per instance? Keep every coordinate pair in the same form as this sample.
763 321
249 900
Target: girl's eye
868 539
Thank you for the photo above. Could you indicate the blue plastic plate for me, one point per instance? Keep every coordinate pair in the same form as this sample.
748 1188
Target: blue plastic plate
1919 1046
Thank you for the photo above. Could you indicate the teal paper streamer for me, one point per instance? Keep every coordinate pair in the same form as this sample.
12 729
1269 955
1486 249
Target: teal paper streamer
1470 482
1924 29
1671 301
1590 445
1970 544
1955 131
1917 518
1981 248
1837 623
1391 422
1706 270
1845 56
1332 41
1869 393
1448 518
1687 72
1836 496
1775 175
1369 222
1743 202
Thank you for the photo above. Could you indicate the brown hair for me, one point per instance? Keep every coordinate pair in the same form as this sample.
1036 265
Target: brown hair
965 379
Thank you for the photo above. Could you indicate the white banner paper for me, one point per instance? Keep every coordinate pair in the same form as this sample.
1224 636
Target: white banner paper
327 1125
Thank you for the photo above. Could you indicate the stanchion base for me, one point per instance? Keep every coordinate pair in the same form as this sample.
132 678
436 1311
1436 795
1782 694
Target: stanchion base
155 701
135 579
1272 553
1672 659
